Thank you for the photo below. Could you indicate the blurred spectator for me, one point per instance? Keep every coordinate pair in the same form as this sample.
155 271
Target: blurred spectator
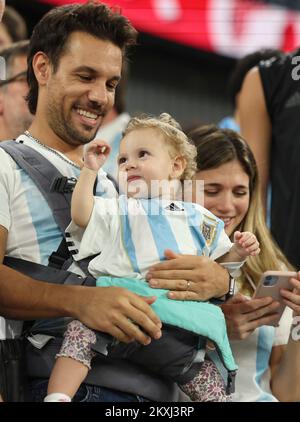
12 28
236 81
14 113
114 124
2 6
289 4
269 112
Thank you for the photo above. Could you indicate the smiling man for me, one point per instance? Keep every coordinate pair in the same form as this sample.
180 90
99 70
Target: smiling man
81 89
75 61
74 64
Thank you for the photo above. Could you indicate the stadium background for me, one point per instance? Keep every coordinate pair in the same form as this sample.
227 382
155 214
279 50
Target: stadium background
187 48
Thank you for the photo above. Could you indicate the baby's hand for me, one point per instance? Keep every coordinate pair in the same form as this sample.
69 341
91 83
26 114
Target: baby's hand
95 154
246 244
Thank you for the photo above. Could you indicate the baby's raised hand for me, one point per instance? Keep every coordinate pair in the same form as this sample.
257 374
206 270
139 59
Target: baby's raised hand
246 244
95 154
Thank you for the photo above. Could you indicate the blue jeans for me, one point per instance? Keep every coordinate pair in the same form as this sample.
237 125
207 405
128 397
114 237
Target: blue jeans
86 393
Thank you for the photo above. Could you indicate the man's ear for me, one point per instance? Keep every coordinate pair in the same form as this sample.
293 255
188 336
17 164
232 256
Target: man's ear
41 67
178 167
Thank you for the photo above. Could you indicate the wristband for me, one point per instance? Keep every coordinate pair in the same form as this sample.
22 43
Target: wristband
229 294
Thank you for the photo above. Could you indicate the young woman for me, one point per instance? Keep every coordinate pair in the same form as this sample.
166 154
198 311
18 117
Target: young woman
269 361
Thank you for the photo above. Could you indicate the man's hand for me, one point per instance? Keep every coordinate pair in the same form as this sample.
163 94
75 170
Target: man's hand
189 277
120 313
244 315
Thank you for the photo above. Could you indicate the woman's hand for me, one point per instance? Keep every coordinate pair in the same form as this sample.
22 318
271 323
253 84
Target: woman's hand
292 299
189 277
244 315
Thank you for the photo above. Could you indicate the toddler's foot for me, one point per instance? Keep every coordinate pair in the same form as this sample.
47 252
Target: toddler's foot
57 397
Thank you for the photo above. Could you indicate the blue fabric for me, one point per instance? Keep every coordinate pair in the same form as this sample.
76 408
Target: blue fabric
220 227
201 318
160 227
194 224
264 350
229 123
47 231
126 233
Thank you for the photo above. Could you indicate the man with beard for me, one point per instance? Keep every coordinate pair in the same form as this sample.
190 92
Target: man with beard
74 65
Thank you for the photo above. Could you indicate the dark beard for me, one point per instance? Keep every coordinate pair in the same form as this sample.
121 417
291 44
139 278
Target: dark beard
65 131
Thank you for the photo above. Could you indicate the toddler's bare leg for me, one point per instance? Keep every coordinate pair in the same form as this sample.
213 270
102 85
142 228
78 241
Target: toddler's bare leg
73 361
67 376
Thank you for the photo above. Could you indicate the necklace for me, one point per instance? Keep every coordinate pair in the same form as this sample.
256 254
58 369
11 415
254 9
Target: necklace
58 154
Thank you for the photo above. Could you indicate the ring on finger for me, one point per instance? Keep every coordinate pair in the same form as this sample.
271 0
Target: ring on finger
188 285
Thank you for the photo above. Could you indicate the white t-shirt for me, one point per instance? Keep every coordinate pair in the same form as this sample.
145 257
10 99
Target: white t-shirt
137 232
32 231
252 356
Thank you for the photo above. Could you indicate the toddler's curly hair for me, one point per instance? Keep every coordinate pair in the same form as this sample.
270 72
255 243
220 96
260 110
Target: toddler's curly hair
174 136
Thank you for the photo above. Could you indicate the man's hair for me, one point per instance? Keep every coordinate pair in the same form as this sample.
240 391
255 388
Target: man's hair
175 138
242 67
14 24
51 35
9 54
120 94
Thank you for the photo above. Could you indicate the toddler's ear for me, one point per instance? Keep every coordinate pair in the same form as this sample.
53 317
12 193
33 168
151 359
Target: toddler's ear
178 167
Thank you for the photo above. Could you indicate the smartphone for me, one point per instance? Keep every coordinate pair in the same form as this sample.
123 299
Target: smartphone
270 284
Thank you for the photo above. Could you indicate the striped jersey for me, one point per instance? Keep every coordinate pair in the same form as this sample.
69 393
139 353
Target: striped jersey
130 235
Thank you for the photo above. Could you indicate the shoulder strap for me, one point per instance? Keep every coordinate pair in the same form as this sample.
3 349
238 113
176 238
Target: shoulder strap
43 173
57 191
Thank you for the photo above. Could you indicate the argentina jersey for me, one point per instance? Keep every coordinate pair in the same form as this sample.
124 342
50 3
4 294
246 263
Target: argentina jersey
138 231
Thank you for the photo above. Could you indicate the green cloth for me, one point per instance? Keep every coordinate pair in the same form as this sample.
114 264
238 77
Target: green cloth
201 318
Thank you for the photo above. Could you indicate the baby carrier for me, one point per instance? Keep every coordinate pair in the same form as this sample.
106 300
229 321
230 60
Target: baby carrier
111 373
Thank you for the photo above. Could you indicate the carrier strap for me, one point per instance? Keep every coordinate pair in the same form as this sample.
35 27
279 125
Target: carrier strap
43 174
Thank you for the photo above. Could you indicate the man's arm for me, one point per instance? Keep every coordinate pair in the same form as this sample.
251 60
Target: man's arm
255 124
113 310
